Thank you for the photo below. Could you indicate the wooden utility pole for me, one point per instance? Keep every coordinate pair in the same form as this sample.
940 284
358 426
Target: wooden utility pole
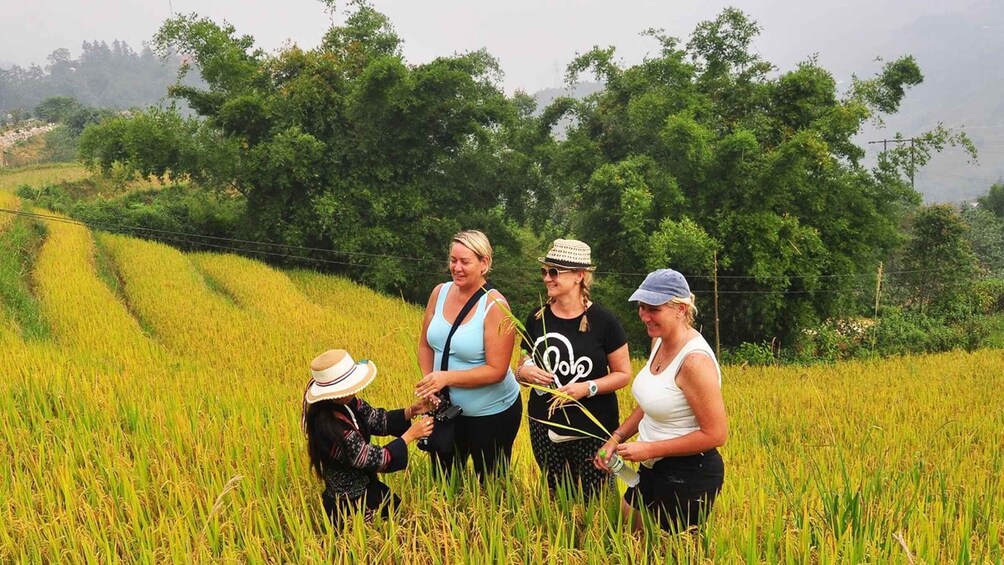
718 339
878 288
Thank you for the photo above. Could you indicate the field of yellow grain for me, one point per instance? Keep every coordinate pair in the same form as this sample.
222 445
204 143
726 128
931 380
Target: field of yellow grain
157 420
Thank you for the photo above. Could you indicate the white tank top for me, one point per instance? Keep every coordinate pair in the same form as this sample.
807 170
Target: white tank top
667 413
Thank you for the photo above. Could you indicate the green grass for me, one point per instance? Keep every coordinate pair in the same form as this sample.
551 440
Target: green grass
18 247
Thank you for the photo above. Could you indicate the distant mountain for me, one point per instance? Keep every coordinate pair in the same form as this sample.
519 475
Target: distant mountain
959 54
103 75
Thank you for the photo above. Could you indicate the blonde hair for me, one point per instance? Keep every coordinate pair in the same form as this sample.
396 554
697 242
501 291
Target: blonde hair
476 242
691 307
584 285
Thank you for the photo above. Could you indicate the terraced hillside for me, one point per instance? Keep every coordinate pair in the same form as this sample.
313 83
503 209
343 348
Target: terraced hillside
149 412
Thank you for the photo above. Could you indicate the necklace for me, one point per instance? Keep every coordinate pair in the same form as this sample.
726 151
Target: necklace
662 358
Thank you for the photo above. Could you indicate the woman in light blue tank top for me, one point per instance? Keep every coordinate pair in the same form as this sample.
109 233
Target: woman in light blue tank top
478 375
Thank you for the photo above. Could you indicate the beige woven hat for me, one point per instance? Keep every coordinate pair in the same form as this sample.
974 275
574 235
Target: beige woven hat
336 375
570 254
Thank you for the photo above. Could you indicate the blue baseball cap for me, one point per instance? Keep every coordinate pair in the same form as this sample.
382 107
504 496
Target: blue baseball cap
661 286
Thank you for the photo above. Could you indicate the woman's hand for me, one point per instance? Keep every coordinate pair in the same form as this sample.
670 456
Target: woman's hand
578 391
636 451
604 454
421 407
534 375
430 386
420 428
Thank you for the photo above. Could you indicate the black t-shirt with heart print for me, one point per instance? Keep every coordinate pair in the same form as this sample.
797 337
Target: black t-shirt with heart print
573 356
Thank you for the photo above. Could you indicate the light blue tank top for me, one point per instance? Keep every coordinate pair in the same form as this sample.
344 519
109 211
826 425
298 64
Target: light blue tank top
467 350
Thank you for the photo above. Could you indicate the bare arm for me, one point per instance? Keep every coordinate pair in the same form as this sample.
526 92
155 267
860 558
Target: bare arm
698 379
619 361
499 341
426 355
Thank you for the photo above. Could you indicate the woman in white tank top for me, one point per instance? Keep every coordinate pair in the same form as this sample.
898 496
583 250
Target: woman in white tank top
680 419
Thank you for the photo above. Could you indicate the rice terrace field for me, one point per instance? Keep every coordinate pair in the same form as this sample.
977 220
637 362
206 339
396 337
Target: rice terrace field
150 412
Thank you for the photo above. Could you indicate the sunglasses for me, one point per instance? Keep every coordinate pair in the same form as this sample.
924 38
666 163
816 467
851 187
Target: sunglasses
553 272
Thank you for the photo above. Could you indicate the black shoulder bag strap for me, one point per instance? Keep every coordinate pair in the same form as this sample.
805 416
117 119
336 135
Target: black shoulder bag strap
440 443
471 302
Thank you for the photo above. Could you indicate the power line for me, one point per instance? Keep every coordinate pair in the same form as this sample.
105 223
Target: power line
186 238
885 145
274 250
129 228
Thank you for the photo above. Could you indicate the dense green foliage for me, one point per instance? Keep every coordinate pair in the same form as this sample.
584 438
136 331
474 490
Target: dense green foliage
701 156
72 117
160 214
343 147
993 200
938 259
986 232
705 150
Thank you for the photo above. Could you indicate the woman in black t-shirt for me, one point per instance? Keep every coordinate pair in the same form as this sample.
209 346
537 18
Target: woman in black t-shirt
580 348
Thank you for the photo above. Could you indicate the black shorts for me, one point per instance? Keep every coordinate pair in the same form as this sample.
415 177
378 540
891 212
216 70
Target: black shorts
679 491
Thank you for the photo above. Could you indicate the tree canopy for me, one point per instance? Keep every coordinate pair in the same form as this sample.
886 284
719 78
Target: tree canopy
703 152
707 150
344 146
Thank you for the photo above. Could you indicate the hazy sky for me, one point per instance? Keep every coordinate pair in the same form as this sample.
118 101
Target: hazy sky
533 39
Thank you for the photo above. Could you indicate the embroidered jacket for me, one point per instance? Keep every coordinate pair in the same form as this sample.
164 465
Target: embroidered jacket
354 461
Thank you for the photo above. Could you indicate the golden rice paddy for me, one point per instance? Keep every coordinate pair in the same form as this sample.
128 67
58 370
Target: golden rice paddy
158 421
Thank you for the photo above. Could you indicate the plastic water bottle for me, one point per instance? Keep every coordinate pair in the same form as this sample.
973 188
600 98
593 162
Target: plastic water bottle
623 471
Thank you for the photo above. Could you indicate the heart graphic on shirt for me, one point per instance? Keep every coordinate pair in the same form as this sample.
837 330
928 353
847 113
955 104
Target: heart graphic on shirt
558 359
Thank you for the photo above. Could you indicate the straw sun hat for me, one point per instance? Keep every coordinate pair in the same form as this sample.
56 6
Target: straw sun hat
570 254
336 375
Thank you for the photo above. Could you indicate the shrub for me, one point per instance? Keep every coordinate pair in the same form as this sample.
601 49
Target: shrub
988 296
900 333
749 354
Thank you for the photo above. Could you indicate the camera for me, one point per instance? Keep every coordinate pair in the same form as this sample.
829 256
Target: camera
451 412
443 414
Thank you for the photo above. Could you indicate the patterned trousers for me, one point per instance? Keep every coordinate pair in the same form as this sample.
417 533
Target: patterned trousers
569 462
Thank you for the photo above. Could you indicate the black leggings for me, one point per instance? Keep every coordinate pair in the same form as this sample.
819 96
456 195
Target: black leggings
486 439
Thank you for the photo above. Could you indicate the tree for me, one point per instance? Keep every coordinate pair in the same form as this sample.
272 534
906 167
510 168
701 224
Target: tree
938 259
993 201
102 77
344 147
56 108
986 234
704 149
